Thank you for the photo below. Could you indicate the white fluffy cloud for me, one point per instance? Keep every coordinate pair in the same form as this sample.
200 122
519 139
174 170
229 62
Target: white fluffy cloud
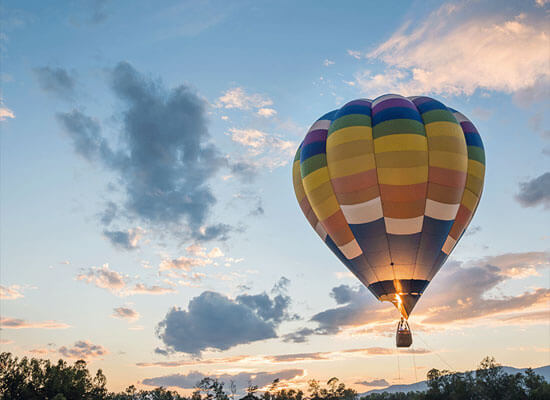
451 52
268 149
239 99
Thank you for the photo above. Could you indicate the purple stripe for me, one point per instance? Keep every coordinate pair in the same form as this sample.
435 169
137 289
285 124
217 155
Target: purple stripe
319 135
421 100
393 103
359 102
468 127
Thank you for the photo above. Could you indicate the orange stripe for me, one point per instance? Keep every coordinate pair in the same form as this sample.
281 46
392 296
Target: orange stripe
444 194
355 182
405 193
359 196
447 177
404 209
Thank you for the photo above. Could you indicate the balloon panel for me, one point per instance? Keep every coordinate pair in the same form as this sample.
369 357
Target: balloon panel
390 186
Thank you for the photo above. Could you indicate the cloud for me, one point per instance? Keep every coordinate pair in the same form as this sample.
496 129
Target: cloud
104 278
290 358
454 51
11 292
374 382
125 313
238 98
5 112
99 13
355 54
15 323
264 148
460 292
83 350
241 380
535 192
127 240
266 112
140 288
164 159
328 63
214 321
56 81
183 263
117 283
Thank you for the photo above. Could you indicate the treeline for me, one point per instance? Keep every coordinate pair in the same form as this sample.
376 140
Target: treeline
37 379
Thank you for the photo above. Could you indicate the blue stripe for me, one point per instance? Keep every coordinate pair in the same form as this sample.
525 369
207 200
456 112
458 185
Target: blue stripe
312 149
329 116
473 139
354 109
430 105
396 113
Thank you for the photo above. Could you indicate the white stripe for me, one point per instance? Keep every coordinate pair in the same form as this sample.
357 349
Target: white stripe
321 124
460 117
387 97
442 211
351 249
362 213
449 245
321 231
398 226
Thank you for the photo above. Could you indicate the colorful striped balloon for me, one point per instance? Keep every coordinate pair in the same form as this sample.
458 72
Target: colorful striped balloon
390 185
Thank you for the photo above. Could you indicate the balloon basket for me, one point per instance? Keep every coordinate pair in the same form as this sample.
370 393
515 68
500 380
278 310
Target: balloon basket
403 337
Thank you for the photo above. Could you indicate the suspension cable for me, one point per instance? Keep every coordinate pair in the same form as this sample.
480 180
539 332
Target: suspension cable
437 354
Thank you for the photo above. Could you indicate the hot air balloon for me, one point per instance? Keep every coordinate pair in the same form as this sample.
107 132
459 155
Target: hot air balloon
390 185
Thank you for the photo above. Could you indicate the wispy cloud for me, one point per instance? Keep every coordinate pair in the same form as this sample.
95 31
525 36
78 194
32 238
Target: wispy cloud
56 81
11 292
5 112
238 98
119 284
241 379
125 313
15 323
83 350
455 52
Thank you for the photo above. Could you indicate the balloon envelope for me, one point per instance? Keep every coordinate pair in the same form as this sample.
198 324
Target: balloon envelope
390 185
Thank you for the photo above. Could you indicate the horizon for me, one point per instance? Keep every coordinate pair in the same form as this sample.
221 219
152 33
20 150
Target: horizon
148 221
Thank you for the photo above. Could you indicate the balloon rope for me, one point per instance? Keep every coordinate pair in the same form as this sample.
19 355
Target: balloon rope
437 354
414 364
398 366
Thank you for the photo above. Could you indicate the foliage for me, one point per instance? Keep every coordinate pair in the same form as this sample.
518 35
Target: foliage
34 379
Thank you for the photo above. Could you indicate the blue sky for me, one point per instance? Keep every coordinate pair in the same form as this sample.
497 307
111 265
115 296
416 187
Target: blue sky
112 247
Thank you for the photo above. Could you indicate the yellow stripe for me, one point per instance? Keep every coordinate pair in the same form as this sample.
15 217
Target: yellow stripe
320 194
400 142
476 169
447 143
445 159
315 179
297 181
469 200
401 159
349 150
402 176
474 184
351 166
326 208
444 128
349 134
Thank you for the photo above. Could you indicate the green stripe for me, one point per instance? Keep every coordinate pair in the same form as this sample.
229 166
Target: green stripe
349 120
395 126
312 164
438 115
298 152
476 153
